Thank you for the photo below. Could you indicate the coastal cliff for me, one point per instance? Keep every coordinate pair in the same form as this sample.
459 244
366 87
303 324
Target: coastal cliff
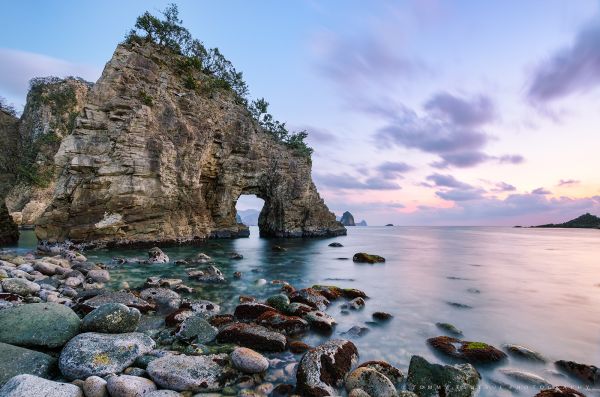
160 154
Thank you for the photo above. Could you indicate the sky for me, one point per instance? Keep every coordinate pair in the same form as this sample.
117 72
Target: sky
424 112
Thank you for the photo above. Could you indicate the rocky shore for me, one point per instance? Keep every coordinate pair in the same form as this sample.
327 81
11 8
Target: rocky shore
63 332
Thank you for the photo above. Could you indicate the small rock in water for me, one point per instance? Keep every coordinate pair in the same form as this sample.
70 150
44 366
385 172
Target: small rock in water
278 248
163 298
459 305
250 310
586 373
320 321
99 276
205 308
473 291
237 275
310 297
126 298
432 380
356 303
236 256
324 368
260 282
524 353
336 244
356 332
298 347
129 386
363 257
30 386
392 373
560 391
280 302
525 377
112 318
211 274
249 361
155 255
449 328
382 316
290 325
370 381
202 258
475 352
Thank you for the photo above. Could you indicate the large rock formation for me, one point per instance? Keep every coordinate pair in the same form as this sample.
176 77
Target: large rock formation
347 219
159 154
9 234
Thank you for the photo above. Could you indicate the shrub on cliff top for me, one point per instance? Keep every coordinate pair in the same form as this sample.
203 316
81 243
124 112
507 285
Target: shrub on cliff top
169 32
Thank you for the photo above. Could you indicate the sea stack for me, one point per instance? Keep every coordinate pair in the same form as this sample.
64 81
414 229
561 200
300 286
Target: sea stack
347 219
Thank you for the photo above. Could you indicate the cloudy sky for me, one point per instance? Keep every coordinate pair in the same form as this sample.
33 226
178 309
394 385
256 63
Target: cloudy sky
422 112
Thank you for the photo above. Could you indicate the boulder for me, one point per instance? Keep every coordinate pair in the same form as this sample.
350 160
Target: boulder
198 329
560 391
19 286
38 324
382 316
370 381
249 361
324 368
30 386
156 255
433 380
125 298
320 321
392 373
587 373
251 310
211 274
474 352
191 373
205 308
310 297
16 360
129 386
290 325
252 336
99 275
102 354
163 299
280 302
112 318
95 386
362 257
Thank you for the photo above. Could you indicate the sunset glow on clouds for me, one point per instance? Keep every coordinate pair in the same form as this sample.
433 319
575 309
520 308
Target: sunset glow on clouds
420 112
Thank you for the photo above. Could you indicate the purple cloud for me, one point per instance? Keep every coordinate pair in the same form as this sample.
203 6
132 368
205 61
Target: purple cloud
572 69
477 111
540 190
346 181
440 180
568 182
460 194
392 170
511 159
504 187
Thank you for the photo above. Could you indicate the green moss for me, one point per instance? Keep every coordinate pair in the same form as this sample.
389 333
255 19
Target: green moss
101 359
146 99
476 346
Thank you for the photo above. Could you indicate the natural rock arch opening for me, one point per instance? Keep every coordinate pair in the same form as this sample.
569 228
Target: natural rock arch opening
248 208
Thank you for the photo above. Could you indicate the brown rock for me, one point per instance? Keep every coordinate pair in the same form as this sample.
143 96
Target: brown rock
251 310
252 336
560 391
474 352
290 325
298 347
310 297
587 373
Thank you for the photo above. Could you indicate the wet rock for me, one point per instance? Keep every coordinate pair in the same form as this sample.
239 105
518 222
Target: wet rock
46 268
235 256
221 319
310 297
370 381
38 324
249 361
278 248
205 308
290 325
95 386
363 257
129 386
156 255
163 298
252 336
358 393
202 258
193 373
524 353
283 390
356 304
170 282
125 298
99 276
459 305
474 352
298 347
392 373
298 309
449 328
382 316
335 244
251 310
30 385
324 368
432 380
584 372
560 391
16 360
320 321
237 275
20 286
112 318
280 302
356 332
198 329
209 275
525 377
102 354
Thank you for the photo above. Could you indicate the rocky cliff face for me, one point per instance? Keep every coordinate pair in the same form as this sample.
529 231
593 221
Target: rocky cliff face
9 233
162 156
347 219
49 116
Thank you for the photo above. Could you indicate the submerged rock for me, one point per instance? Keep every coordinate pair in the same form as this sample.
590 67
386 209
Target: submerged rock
392 373
249 361
102 354
363 257
156 255
252 336
449 328
584 372
16 360
523 352
560 391
211 274
112 318
475 352
335 244
433 380
30 386
193 373
38 324
525 377
382 316
324 368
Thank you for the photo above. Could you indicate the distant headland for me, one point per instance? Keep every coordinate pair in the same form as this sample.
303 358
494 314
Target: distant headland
586 221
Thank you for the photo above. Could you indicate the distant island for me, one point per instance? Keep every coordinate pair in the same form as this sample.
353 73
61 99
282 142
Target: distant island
586 221
362 223
347 219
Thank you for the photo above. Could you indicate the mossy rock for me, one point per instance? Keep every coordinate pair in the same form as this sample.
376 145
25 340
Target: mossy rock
363 257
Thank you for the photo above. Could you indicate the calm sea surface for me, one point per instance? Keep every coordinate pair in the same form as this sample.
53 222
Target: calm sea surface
535 287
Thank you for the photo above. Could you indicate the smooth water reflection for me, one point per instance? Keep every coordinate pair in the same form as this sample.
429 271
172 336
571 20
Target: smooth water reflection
534 287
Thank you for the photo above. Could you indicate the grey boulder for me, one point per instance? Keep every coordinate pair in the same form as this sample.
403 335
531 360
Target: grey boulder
16 360
30 386
112 318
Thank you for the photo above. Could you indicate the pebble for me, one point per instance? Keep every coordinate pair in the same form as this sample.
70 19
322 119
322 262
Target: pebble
249 361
